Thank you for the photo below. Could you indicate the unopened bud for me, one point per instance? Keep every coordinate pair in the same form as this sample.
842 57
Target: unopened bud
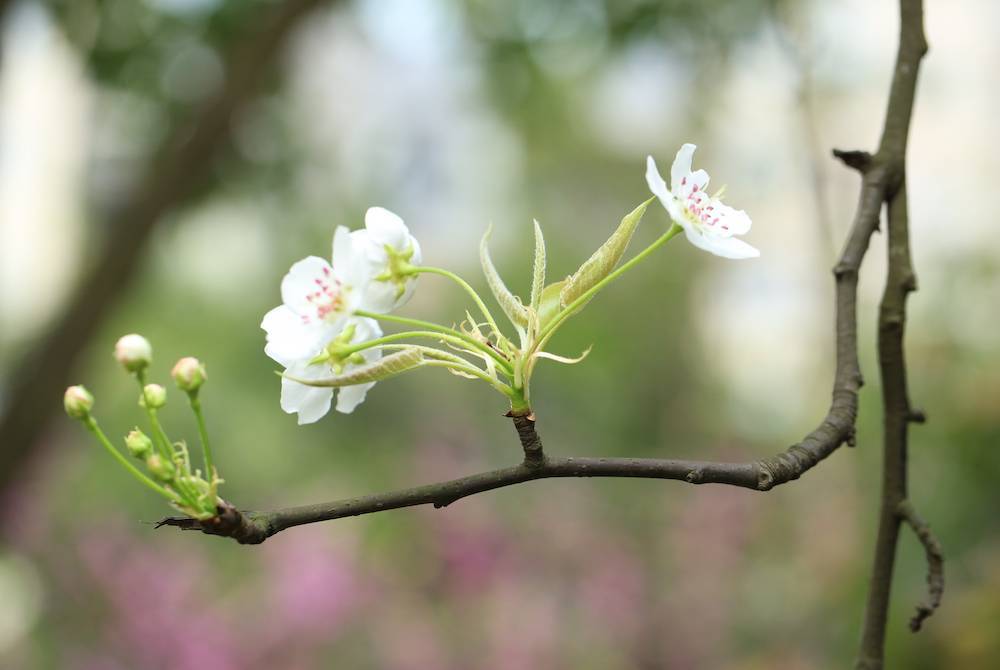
138 444
134 352
160 467
189 373
153 396
78 402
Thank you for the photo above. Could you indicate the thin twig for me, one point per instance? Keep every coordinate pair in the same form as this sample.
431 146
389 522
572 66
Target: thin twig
935 564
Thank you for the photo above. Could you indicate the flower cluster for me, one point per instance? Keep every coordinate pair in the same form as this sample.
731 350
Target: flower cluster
318 329
327 336
168 464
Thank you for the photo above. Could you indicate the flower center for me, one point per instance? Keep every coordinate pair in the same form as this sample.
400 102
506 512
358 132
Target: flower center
329 298
701 209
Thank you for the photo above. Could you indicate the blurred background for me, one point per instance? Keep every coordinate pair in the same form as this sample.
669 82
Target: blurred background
163 162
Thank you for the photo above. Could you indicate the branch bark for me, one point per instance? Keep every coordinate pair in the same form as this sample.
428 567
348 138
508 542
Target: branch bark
900 282
184 159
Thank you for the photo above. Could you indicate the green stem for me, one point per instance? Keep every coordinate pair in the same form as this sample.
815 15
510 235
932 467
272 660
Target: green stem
91 424
206 448
396 337
589 293
472 370
468 289
429 325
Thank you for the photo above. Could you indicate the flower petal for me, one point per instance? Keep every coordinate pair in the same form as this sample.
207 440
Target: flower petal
288 338
311 403
350 397
726 247
303 280
656 183
681 166
731 221
387 228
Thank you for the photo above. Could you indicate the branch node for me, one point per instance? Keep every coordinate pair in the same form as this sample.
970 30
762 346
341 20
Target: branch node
916 415
858 160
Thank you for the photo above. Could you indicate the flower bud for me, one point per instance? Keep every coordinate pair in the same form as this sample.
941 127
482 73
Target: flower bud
154 396
78 402
138 444
189 373
160 467
134 352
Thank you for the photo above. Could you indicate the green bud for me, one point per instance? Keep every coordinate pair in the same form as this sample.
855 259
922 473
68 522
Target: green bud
138 444
189 374
153 396
161 468
78 402
134 352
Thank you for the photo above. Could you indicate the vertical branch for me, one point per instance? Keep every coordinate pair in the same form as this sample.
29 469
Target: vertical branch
900 281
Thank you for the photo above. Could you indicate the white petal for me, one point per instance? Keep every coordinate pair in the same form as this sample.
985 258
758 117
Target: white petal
682 166
726 247
310 402
387 228
732 247
731 221
302 280
288 339
344 256
350 397
696 181
656 183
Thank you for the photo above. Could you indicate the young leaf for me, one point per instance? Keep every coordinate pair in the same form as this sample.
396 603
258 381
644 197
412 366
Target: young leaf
549 303
538 276
383 368
509 303
604 260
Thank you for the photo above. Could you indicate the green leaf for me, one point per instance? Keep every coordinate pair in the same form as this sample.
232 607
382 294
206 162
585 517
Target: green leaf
549 303
604 260
509 303
538 276
386 367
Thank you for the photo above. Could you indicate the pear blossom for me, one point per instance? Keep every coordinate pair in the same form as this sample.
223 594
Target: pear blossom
386 247
311 403
707 222
317 300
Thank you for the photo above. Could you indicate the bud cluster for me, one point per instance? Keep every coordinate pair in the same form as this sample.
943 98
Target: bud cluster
168 463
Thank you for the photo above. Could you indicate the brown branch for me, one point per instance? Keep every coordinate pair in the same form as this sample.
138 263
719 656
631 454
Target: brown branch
184 160
935 564
900 281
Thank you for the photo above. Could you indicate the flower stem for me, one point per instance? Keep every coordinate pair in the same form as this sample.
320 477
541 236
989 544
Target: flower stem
206 448
396 337
588 294
467 288
472 370
91 423
429 325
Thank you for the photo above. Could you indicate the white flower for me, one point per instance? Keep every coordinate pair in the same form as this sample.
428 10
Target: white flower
386 247
708 224
311 403
316 317
317 301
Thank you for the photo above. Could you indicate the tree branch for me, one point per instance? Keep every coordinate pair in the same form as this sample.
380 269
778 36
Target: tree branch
900 281
184 160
